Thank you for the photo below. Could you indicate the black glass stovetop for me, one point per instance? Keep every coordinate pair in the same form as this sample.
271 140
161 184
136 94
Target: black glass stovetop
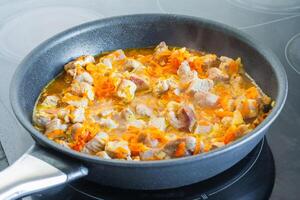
250 179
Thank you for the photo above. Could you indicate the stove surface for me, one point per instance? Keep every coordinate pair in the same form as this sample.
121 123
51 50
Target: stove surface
24 24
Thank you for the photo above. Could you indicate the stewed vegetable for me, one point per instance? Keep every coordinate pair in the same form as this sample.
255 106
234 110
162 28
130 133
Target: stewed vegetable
150 103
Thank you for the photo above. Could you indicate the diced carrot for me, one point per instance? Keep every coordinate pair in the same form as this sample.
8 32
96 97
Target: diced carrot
223 113
55 134
230 134
233 68
252 93
180 149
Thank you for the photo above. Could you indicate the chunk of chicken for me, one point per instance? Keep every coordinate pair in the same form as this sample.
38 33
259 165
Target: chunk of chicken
74 100
132 65
209 60
84 77
55 125
203 129
248 107
181 117
138 123
83 89
108 123
143 110
141 82
41 119
118 54
158 122
180 147
128 114
161 47
126 90
78 115
96 144
71 67
107 62
50 101
225 61
153 154
160 87
187 117
63 114
147 140
206 99
118 149
103 154
198 84
185 73
75 130
217 75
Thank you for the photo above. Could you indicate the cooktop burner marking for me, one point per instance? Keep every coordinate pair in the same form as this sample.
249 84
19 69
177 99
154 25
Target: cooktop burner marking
53 19
283 7
292 52
244 173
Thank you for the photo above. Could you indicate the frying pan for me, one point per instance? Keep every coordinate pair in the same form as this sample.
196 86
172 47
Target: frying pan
48 164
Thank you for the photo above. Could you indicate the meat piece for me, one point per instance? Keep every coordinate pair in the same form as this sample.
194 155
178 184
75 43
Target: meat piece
181 146
84 77
185 73
190 143
118 54
96 144
55 125
118 149
75 130
217 144
136 123
103 154
206 99
161 47
106 111
143 110
237 118
132 65
83 89
75 100
158 122
147 140
63 114
209 60
41 119
198 84
71 67
202 129
108 123
126 90
141 82
107 62
217 75
225 61
128 114
187 117
172 147
50 101
77 115
248 107
160 87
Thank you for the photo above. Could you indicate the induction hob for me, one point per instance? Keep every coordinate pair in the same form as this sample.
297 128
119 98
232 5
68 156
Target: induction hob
276 24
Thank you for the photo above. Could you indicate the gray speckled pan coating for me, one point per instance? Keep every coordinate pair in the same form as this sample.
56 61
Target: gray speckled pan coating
47 60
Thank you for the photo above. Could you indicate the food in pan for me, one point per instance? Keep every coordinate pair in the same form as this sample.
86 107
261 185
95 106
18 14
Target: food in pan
150 103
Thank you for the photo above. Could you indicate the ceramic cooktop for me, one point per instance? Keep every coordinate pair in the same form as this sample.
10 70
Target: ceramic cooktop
276 24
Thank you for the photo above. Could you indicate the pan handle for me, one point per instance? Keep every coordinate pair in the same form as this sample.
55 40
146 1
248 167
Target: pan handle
38 169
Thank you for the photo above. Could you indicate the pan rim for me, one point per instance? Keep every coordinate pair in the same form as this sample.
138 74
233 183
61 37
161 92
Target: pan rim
268 55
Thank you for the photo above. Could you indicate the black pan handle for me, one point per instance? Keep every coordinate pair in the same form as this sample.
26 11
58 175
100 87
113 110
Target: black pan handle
38 169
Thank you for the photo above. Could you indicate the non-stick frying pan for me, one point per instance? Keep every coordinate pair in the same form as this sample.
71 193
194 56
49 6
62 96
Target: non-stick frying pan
48 164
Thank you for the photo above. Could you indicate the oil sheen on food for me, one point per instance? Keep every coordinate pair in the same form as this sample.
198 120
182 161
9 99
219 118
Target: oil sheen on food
150 103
